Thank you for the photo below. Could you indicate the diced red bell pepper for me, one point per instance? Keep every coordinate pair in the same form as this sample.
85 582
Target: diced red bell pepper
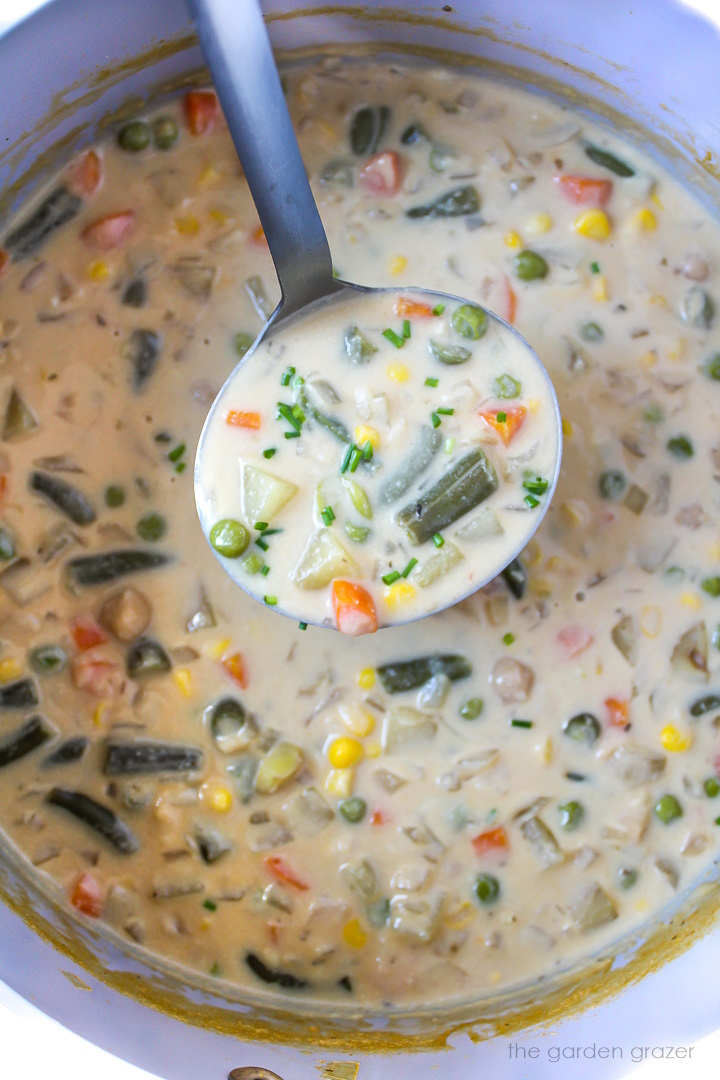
87 896
201 111
491 841
382 174
574 640
87 632
354 608
508 428
109 232
99 673
85 176
284 872
380 816
585 190
258 237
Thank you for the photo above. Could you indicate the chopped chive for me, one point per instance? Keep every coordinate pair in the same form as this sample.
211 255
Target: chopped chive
391 578
298 414
286 377
449 446
302 626
180 467
430 381
209 905
265 570
356 456
717 820
502 418
271 601
288 413
406 328
271 532
270 452
163 437
536 486
595 267
262 544
521 723
445 412
531 501
409 568
215 969
261 526
394 338
438 540
508 638
177 452
345 464
292 434
436 421
367 451
328 515
438 309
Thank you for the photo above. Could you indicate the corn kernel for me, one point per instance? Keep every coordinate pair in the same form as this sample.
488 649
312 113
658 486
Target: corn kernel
655 198
218 648
599 289
642 905
534 405
650 621
567 428
398 265
714 552
205 923
540 586
354 935
344 752
373 749
546 750
690 600
10 669
183 681
208 176
402 592
357 720
645 219
398 372
218 217
575 512
364 433
187 225
658 300
594 224
340 782
98 270
679 351
538 224
673 740
217 797
99 713
649 359
512 240
366 678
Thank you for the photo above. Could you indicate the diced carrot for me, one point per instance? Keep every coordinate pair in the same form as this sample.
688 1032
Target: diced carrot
98 672
4 261
379 817
258 237
508 428
109 232
491 841
243 419
85 176
574 640
617 711
3 485
354 608
235 667
411 309
282 870
509 302
382 173
87 896
201 111
87 632
584 190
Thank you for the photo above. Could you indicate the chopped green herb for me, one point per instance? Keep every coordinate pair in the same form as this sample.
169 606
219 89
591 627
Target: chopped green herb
302 626
215 968
328 515
390 578
444 412
209 905
449 446
712 787
287 412
356 456
345 464
711 585
536 485
114 496
520 723
654 414
270 452
571 814
406 330
292 434
286 377
262 544
430 381
271 601
508 638
151 527
711 367
177 452
437 540
394 338
531 501
435 420
180 467
595 267
367 451
163 437
502 417
680 447
265 570
438 309
261 526
409 568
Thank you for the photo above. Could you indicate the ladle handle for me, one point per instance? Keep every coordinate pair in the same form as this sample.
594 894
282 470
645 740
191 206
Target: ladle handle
237 48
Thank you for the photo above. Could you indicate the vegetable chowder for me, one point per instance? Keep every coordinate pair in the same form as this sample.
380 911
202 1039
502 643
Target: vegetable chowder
368 485
443 810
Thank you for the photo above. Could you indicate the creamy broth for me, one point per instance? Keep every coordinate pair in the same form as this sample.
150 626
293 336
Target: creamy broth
422 479
443 810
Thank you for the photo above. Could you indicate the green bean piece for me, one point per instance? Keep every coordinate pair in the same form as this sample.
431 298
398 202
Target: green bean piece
242 342
428 443
413 135
487 888
142 349
680 447
583 728
592 331
470 321
472 708
48 659
134 136
712 787
456 203
402 675
507 387
353 809
339 172
612 484
358 497
330 423
712 367
114 496
137 757
64 497
56 210
135 294
367 129
7 544
147 657
229 538
100 818
68 752
448 354
357 533
19 743
707 703
668 809
627 877
21 694
107 566
529 266
571 814
698 308
515 577
357 347
463 487
609 161
165 132
151 527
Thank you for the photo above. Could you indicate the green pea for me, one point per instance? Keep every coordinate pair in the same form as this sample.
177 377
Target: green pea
571 814
487 888
507 387
151 527
712 787
242 342
627 877
165 132
252 563
48 659
592 332
114 496
668 809
353 809
653 414
680 447
583 728
469 321
229 538
7 544
712 367
529 266
472 708
135 136
612 484
711 585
